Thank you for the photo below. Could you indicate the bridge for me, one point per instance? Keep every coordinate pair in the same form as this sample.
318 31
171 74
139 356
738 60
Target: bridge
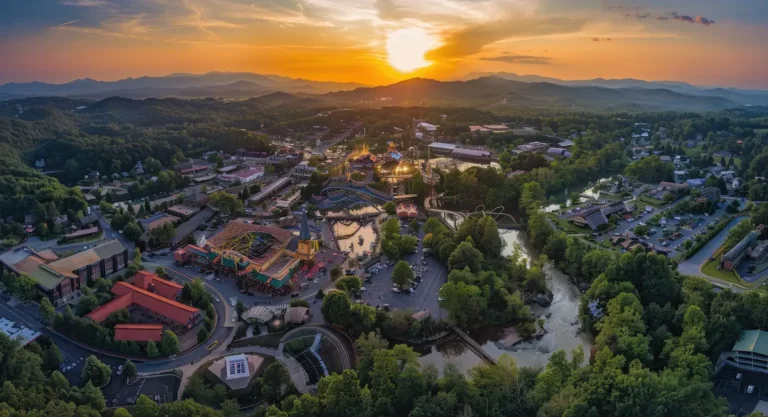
474 346
453 219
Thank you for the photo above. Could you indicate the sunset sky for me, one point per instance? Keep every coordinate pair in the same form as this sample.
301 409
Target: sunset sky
704 42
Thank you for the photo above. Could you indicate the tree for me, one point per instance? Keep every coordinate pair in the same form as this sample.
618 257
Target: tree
390 208
240 308
122 412
202 335
95 371
129 369
132 231
22 286
52 358
464 303
46 309
225 202
531 196
336 307
277 382
402 274
152 351
465 255
349 284
298 302
169 343
336 272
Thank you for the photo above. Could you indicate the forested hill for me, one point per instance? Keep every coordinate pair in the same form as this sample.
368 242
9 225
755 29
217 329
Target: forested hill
488 91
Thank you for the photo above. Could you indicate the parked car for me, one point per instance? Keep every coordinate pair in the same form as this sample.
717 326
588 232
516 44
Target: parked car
750 389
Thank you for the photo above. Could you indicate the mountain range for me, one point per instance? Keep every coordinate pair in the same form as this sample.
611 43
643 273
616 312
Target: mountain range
487 90
231 85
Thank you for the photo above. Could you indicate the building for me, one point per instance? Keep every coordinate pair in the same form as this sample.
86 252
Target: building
440 148
149 292
750 352
139 332
303 170
695 182
269 191
157 220
60 279
711 194
306 248
531 147
182 210
21 334
525 131
598 216
237 371
407 211
296 315
733 257
243 177
680 176
287 202
266 257
77 234
558 153
473 154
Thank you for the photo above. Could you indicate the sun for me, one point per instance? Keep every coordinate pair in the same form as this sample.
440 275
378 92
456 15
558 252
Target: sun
406 49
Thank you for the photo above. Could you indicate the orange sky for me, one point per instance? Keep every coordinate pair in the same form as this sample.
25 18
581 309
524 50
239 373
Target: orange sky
344 40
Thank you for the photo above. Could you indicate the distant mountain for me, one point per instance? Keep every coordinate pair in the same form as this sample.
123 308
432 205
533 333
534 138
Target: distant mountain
212 84
741 96
498 91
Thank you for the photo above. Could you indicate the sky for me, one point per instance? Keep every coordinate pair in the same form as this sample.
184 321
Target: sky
703 42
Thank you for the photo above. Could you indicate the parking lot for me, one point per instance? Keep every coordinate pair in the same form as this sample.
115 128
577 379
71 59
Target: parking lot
160 388
734 384
424 297
673 230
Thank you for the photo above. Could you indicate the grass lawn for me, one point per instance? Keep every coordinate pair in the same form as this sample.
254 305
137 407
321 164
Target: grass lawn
711 269
653 201
569 227
736 160
90 238
693 152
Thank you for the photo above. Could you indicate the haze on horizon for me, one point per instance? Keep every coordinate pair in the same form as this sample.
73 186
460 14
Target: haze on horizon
706 42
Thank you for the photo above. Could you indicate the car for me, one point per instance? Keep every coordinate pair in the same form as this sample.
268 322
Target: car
234 302
249 294
750 389
424 263
395 290
439 298
387 307
217 300
294 295
738 376
157 398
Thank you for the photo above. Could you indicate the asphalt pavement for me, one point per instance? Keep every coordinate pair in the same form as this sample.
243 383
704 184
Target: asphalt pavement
379 289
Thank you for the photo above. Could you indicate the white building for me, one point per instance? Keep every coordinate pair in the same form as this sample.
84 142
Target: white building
243 177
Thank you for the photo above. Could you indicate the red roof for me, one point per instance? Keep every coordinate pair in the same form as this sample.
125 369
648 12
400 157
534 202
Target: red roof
130 294
139 332
147 280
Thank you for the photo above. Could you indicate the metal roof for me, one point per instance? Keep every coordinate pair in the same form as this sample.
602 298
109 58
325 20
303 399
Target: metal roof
755 341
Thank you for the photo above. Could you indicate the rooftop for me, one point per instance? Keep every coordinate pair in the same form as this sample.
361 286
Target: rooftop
88 257
755 341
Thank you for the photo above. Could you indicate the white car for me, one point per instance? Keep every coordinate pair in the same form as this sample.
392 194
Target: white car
217 300
750 389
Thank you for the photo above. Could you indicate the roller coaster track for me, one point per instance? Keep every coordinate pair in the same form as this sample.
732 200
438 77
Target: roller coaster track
497 214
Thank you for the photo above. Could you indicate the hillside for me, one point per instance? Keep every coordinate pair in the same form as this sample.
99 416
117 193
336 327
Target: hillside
213 84
488 91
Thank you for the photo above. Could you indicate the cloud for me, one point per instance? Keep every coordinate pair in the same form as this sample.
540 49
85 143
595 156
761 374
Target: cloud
599 39
84 3
520 59
471 39
696 20
662 18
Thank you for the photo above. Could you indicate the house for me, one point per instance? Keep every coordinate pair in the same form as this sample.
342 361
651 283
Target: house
139 168
728 175
695 182
525 131
426 127
665 158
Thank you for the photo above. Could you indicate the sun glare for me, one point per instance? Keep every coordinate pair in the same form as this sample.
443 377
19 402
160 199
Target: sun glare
406 49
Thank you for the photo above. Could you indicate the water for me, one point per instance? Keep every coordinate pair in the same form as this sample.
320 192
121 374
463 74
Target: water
590 190
366 231
562 333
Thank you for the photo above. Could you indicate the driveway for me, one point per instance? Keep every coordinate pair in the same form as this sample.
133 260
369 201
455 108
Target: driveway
692 265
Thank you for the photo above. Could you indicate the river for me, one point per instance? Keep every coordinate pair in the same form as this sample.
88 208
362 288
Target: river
562 333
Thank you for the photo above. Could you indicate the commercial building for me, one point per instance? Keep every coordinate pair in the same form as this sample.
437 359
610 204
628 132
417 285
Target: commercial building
269 191
473 154
407 211
139 332
183 210
558 153
287 202
243 177
21 334
525 131
154 295
733 257
750 352
303 170
265 256
440 148
60 279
